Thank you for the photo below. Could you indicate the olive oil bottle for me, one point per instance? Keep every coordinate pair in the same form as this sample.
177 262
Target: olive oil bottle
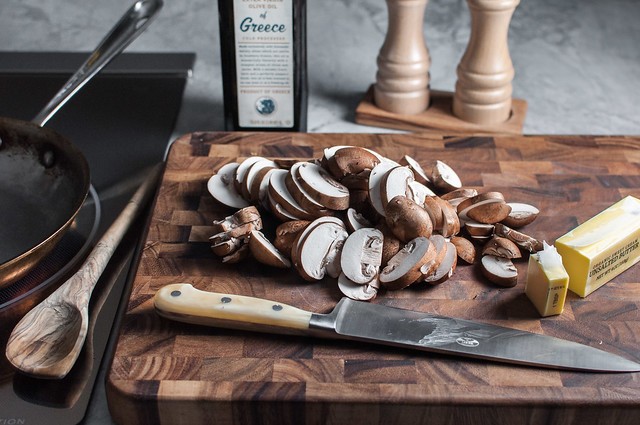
264 64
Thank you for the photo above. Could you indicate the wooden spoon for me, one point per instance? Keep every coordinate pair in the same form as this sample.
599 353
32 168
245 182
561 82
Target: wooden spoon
46 342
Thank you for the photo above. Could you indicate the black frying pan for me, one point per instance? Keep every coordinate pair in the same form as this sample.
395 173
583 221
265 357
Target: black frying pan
44 179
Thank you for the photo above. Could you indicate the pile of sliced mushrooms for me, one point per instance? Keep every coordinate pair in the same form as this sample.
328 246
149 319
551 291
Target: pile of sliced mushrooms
368 221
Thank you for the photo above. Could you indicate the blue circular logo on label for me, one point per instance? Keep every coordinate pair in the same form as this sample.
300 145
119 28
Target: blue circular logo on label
265 106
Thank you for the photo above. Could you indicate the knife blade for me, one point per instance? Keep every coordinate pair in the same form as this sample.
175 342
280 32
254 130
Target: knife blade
376 323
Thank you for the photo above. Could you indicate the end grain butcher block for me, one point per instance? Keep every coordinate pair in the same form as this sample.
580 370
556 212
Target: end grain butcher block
165 372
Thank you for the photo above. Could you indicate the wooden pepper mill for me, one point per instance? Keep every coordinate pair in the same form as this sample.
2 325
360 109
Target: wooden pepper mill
402 80
483 90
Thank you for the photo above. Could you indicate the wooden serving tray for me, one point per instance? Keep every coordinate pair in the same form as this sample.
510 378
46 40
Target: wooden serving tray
168 372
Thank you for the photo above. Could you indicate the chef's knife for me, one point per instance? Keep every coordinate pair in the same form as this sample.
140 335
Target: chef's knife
375 323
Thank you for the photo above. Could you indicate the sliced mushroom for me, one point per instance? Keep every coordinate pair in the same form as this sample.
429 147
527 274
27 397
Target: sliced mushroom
521 214
446 267
356 291
419 192
222 244
241 171
245 215
501 247
444 177
322 187
351 160
418 171
407 220
286 234
375 185
280 195
358 181
256 170
300 194
476 229
238 255
390 244
459 194
480 199
465 249
434 209
450 221
265 252
524 241
319 247
499 270
355 220
362 255
403 269
490 213
396 183
222 188
440 245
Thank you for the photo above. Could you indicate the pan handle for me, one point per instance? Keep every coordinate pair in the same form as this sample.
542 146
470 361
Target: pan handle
130 26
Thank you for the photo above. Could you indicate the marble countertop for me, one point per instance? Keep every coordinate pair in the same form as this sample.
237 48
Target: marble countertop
576 62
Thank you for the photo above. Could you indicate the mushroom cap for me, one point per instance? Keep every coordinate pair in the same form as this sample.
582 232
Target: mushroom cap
356 291
407 220
265 252
499 270
324 189
404 268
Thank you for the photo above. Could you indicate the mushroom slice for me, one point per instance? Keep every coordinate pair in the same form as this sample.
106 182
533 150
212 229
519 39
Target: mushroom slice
521 214
490 213
286 234
328 153
407 220
476 229
440 244
241 171
420 175
222 244
444 178
356 291
265 252
501 247
480 199
499 270
375 185
237 255
396 183
323 188
300 194
450 220
522 240
356 221
465 248
419 192
260 188
351 160
280 195
222 188
362 255
446 267
320 247
404 268
257 170
390 244
458 195
434 209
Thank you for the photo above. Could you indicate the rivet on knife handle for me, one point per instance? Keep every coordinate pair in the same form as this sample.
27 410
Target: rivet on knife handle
183 302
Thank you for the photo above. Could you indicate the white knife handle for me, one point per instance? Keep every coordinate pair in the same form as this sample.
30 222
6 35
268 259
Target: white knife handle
183 302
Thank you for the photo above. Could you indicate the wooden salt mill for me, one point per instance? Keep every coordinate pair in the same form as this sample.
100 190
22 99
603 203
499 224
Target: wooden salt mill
402 80
483 90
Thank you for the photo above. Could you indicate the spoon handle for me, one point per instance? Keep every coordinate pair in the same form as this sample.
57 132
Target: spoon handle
130 26
81 284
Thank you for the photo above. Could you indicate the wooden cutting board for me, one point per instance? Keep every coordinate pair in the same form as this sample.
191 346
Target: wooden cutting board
167 372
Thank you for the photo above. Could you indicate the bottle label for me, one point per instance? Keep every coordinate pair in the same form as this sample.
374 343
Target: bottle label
264 62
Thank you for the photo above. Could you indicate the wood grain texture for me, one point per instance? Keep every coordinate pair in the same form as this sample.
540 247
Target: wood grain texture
168 372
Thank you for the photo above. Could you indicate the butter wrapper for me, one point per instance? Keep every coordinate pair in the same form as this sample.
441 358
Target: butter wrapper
602 247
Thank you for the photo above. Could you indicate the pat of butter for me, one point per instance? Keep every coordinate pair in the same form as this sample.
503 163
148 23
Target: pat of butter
547 281
602 247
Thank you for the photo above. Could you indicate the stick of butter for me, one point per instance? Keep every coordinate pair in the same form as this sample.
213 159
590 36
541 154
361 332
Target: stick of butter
602 247
547 281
